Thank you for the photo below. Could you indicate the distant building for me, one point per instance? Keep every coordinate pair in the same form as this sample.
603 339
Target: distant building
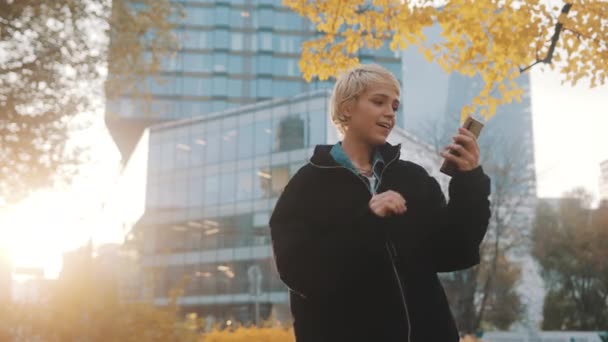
118 265
232 53
77 261
604 181
30 286
543 336
5 277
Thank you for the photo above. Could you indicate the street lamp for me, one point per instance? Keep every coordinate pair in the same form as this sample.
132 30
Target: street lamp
254 274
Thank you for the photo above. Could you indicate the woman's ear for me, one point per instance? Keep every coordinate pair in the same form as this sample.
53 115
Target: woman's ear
346 110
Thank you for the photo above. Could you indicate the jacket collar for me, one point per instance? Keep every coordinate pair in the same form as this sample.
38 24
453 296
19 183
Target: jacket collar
322 155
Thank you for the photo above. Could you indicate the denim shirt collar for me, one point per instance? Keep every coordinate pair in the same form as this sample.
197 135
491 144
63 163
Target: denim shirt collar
337 152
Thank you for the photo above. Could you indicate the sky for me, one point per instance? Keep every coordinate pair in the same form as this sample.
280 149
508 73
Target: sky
570 134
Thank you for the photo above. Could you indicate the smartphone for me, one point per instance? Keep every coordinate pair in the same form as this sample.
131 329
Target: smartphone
474 127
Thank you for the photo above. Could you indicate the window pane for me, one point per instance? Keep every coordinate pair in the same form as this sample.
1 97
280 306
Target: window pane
221 15
292 67
264 87
235 88
205 87
237 17
245 185
253 89
236 41
317 128
254 41
245 145
217 106
280 177
195 62
167 153
171 63
265 64
198 16
229 140
220 60
197 155
191 39
182 155
219 86
235 65
265 41
191 86
221 39
263 136
279 67
266 17
290 133
211 189
262 183
212 154
227 188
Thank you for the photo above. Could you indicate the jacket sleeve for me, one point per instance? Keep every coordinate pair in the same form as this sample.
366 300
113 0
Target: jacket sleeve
459 226
314 259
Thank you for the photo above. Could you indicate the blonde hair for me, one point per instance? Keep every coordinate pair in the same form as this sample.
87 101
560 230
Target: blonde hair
351 84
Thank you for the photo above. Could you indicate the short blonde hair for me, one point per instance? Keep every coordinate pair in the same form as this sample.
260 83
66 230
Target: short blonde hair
351 84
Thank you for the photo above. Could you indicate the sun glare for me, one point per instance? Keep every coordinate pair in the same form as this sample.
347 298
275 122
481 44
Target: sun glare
36 232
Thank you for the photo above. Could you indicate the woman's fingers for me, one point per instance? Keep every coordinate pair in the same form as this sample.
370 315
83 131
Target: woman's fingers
389 202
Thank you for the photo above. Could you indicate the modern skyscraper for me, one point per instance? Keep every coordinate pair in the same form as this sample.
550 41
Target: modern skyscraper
232 53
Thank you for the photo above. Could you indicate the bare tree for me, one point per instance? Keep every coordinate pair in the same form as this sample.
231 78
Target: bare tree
486 295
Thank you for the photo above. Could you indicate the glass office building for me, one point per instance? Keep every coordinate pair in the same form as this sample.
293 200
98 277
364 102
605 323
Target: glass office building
211 185
232 53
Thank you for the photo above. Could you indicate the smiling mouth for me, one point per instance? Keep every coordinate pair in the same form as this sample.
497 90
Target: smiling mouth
384 125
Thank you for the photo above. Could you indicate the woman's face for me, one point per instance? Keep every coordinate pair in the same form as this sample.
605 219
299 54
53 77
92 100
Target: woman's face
372 115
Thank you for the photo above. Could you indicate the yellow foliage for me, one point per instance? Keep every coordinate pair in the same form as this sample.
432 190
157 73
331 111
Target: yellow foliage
267 334
83 305
250 334
497 39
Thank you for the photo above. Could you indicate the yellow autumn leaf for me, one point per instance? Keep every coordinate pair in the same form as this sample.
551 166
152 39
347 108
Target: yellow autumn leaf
491 38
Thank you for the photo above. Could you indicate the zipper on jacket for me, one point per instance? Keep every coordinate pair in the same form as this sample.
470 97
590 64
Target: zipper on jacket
390 247
384 169
371 192
392 252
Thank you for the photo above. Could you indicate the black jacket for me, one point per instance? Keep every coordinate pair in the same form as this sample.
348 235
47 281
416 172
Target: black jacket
354 276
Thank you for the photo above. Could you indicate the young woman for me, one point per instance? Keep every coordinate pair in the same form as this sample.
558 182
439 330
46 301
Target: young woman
359 235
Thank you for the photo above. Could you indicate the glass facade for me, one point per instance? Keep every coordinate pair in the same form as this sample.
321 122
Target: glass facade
231 53
213 179
212 184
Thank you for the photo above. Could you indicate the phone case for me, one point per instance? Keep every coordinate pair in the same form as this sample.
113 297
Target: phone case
474 126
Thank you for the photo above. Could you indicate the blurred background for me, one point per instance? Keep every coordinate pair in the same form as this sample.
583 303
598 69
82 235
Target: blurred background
145 143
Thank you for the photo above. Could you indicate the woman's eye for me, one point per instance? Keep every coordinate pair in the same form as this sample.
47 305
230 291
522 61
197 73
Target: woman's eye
378 103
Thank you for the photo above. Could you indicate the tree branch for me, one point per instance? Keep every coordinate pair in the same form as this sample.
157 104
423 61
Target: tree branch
580 34
554 39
